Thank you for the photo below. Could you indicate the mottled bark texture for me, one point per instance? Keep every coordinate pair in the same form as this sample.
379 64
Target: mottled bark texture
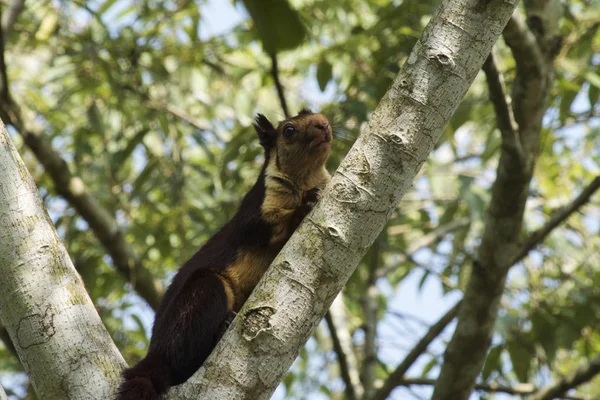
500 243
52 322
295 293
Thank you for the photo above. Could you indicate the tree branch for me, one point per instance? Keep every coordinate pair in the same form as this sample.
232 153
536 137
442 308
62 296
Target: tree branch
342 345
10 15
558 218
504 116
425 241
503 221
397 377
523 44
278 85
581 375
73 190
369 305
522 389
53 323
534 75
533 240
298 288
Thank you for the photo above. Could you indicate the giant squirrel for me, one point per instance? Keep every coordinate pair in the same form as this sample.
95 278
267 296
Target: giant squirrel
213 285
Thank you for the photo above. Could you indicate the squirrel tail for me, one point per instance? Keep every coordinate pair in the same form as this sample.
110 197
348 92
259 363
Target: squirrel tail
147 380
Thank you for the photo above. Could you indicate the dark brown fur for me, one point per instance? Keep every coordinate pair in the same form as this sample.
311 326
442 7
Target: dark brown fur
213 285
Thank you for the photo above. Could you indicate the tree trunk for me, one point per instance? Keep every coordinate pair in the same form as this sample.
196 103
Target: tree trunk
52 322
297 290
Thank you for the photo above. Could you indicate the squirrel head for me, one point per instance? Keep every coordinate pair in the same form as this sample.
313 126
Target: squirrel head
299 145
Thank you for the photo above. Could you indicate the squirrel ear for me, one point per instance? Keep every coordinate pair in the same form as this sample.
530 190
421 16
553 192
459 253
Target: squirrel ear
265 130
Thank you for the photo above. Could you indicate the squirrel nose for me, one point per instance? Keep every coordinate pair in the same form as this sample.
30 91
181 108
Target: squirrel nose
319 129
322 125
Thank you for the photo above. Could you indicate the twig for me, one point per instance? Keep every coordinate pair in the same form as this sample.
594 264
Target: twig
522 389
370 306
342 347
424 241
187 118
538 236
72 188
341 357
280 92
497 92
581 375
396 377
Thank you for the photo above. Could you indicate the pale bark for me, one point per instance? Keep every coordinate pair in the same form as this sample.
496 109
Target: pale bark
297 290
466 351
52 322
2 394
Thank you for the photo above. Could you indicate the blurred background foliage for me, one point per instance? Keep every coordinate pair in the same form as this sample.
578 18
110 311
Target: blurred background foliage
151 104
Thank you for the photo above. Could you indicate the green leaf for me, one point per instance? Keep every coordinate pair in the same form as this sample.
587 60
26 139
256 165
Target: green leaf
47 27
462 114
593 93
566 335
423 279
492 362
565 104
105 6
544 329
593 78
520 358
123 155
324 74
449 213
139 324
432 363
288 380
277 25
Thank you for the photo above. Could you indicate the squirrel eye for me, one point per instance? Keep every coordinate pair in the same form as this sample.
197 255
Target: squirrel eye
288 131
